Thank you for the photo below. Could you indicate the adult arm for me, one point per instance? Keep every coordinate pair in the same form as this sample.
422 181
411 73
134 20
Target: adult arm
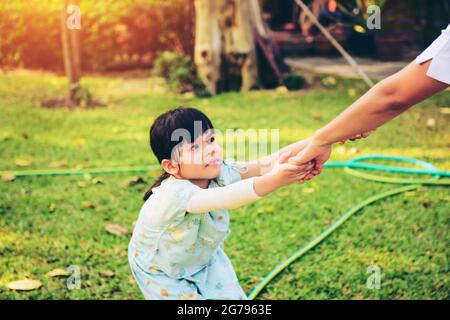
384 101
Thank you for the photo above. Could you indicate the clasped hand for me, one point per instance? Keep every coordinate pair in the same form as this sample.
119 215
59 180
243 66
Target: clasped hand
309 161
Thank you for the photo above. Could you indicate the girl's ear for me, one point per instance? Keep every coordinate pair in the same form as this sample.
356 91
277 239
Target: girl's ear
169 166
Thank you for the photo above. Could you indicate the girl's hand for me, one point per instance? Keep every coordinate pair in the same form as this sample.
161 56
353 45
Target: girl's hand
286 173
282 173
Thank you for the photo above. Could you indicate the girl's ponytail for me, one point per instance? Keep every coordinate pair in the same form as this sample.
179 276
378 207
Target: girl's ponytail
158 181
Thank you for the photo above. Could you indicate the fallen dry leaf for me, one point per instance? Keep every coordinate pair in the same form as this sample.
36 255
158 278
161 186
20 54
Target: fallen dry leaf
57 273
269 209
8 177
81 184
340 150
96 180
79 142
188 95
444 110
431 123
58 164
351 92
282 90
52 207
116 229
426 203
88 205
22 163
8 137
132 281
24 285
134 181
106 274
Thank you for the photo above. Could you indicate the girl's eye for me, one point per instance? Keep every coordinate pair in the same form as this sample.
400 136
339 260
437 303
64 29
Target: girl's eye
212 139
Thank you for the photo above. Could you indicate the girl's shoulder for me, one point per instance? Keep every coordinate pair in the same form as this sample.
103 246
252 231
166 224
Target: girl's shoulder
169 200
175 184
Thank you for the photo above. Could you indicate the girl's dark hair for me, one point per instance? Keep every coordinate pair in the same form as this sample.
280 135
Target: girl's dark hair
161 140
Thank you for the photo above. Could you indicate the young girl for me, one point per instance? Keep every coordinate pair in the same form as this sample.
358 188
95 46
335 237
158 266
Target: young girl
176 251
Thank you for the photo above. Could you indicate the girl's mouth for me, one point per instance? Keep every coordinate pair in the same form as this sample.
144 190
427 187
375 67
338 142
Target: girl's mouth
213 163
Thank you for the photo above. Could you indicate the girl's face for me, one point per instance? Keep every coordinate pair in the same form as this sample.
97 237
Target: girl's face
201 159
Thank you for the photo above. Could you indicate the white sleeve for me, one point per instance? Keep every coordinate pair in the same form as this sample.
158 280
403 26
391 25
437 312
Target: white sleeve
439 51
229 197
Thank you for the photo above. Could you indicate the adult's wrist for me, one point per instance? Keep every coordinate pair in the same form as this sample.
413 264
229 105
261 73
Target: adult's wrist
320 139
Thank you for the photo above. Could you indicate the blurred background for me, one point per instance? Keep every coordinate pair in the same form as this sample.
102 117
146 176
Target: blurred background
82 100
125 35
120 35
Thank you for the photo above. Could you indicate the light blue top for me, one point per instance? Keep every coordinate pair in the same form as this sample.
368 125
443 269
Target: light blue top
167 238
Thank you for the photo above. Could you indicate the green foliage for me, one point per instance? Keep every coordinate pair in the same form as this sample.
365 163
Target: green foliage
200 89
180 73
328 81
294 81
83 96
54 222
176 68
114 34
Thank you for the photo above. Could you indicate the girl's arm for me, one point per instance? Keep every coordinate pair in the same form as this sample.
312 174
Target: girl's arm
386 100
248 190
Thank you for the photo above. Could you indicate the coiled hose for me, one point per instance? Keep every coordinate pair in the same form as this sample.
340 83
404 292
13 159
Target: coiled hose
349 167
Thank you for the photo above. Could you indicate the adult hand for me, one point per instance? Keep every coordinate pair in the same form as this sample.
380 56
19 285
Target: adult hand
314 151
286 173
357 136
319 152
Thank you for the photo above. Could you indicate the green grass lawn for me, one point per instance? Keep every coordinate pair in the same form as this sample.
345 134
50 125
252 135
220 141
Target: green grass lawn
55 222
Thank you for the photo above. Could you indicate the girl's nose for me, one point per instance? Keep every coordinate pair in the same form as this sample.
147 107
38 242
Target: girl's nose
211 150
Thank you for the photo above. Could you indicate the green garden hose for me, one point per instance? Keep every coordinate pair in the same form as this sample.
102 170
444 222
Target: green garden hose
411 185
349 167
76 172
278 269
156 168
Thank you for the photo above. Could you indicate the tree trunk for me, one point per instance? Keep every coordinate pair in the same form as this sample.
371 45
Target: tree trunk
71 55
225 34
189 39
207 44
